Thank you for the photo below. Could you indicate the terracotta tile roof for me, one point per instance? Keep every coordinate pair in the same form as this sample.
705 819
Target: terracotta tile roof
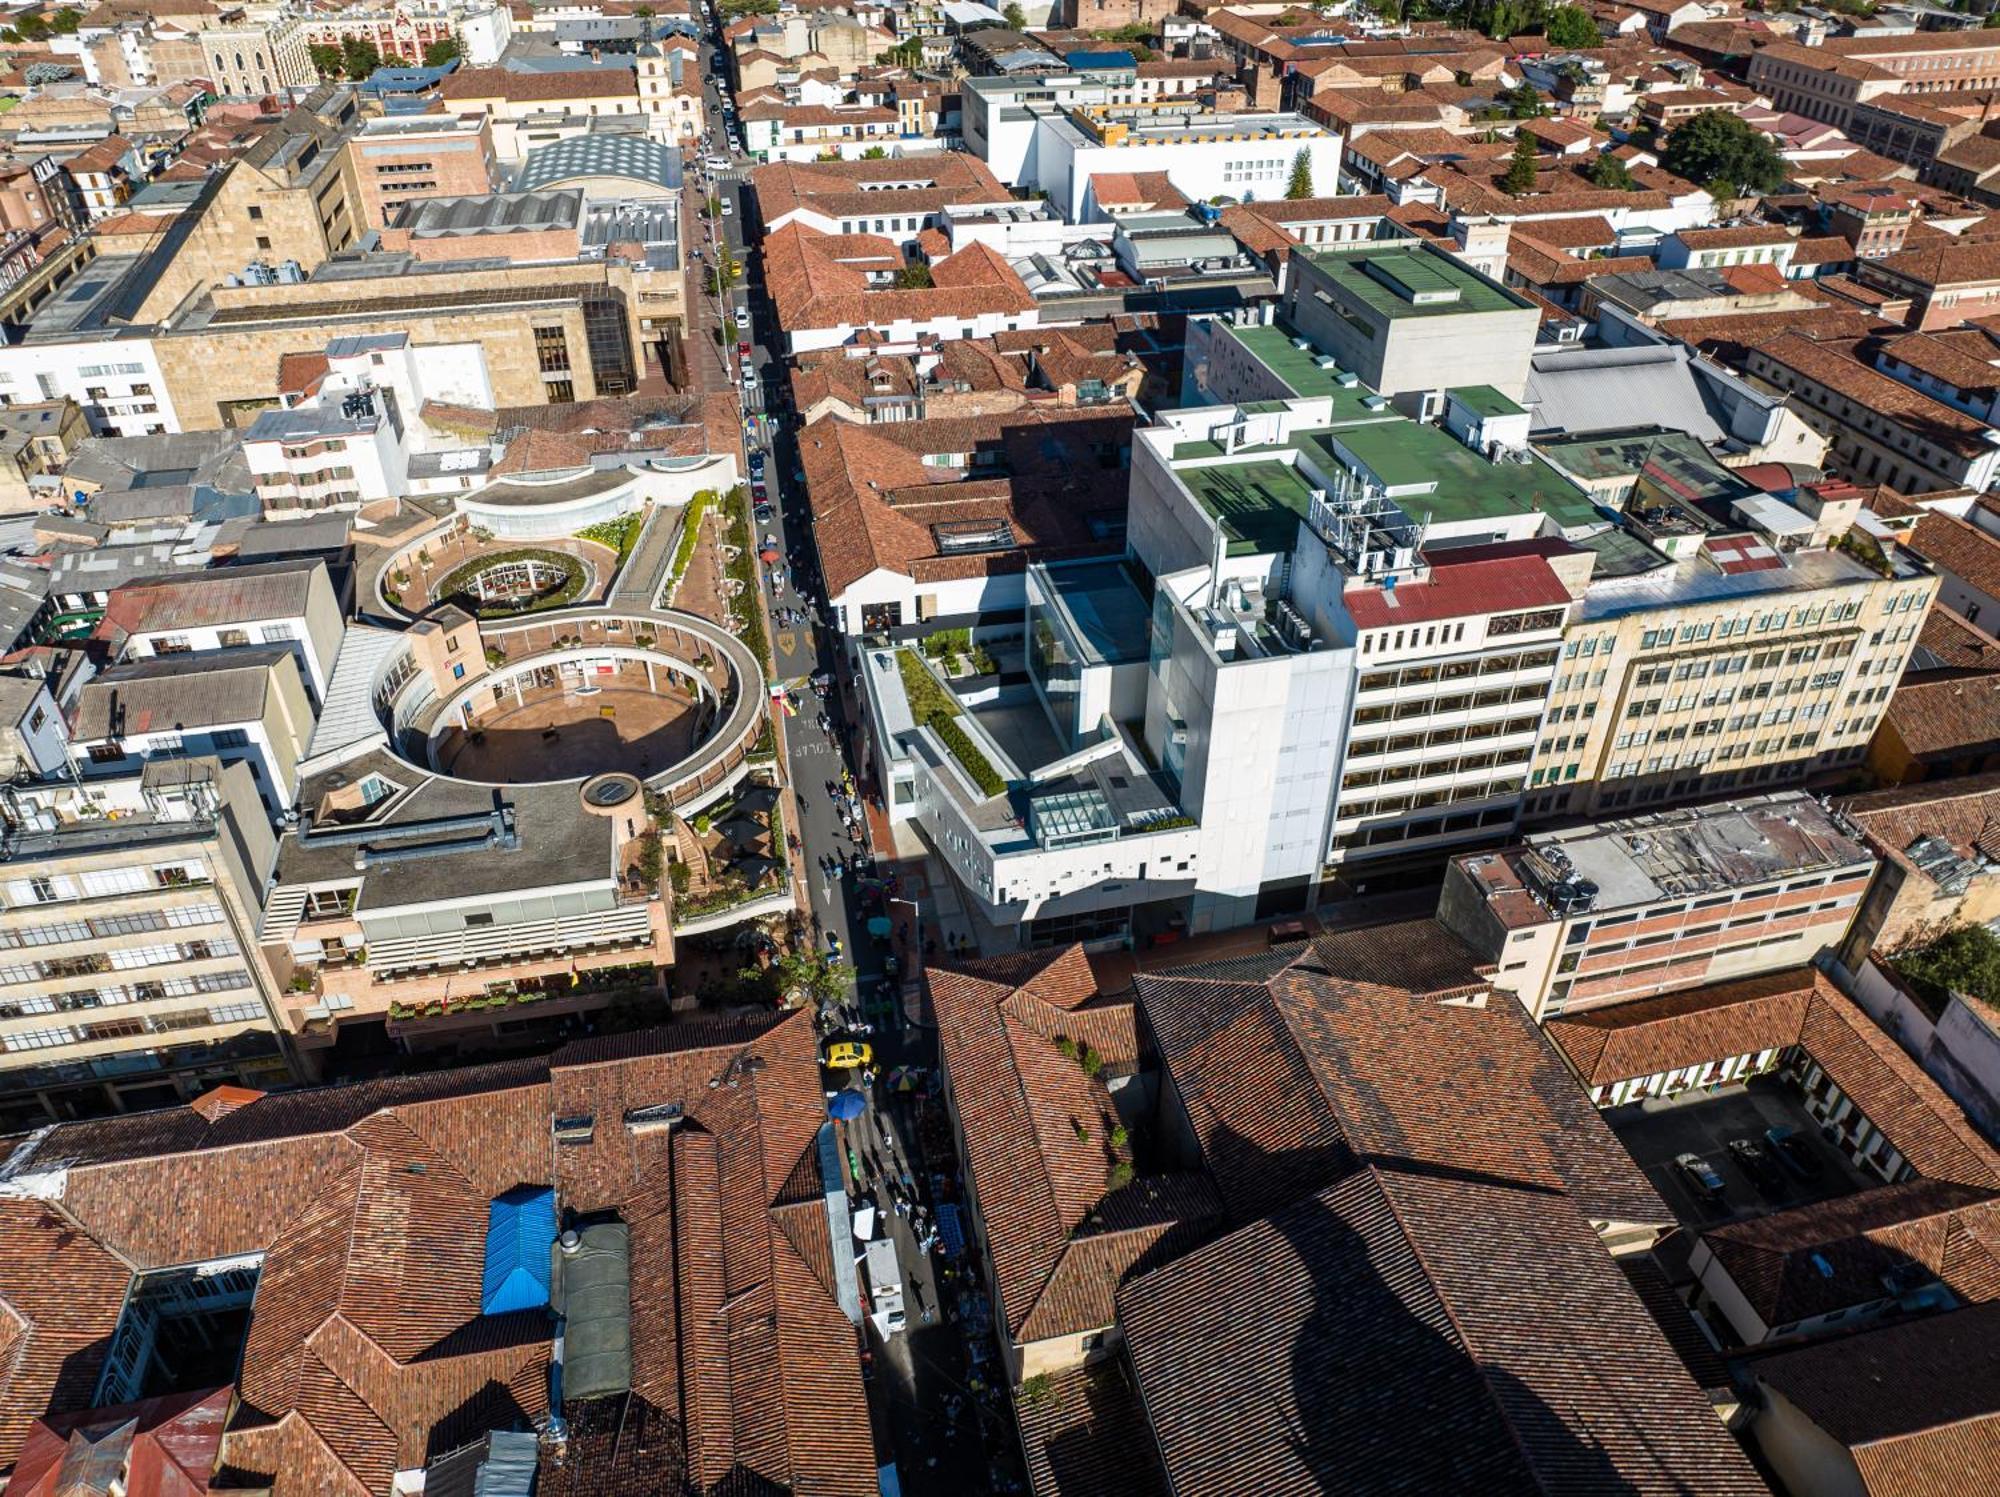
1038 1131
1963 811
1265 228
1947 718
1675 1320
1893 1093
572 83
1837 365
1587 231
1087 1436
1964 551
1319 1328
847 189
876 504
366 1349
1738 238
1941 266
1343 1058
1135 188
1814 1260
1624 1040
822 281
1917 1403
537 451
60 1298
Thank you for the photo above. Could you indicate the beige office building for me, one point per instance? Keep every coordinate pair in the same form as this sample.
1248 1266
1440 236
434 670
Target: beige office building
130 975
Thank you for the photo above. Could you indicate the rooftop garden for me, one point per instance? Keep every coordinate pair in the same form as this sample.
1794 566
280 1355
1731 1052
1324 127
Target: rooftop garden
937 709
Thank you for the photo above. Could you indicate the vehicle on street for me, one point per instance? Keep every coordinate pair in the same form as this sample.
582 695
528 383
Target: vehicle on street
743 317
885 1285
1794 1153
747 370
759 492
1700 1176
743 350
1756 1162
728 208
847 1055
756 465
833 944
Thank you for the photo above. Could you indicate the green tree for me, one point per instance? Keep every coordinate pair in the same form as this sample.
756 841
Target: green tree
1524 103
31 29
914 277
1521 170
1301 185
712 208
735 9
1608 171
325 59
1015 17
874 153
1963 960
1724 154
65 21
445 49
1570 27
358 58
725 273
905 54
805 972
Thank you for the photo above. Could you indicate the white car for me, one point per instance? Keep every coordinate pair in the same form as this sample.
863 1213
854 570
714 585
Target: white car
728 208
743 317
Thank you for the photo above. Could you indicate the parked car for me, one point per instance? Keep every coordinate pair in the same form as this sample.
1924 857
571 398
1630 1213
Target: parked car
1700 1176
1794 1153
1756 1162
747 370
760 494
728 207
849 1054
757 465
743 317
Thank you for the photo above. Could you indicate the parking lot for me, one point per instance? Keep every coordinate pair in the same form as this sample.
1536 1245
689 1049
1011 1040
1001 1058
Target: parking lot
1703 1123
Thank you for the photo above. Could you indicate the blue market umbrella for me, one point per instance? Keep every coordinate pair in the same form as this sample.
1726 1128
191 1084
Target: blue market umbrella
847 1104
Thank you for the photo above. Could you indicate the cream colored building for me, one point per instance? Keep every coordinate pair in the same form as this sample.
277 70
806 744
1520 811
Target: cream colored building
1686 687
129 969
547 334
250 58
290 197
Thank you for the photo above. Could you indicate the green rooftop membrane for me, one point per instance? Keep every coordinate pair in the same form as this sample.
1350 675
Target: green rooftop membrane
1410 282
1257 504
1484 400
1468 487
1303 375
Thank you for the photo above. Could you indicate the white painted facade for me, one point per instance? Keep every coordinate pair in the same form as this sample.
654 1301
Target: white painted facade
117 381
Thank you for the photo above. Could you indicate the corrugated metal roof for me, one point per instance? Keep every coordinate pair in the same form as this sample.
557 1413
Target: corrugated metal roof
520 1230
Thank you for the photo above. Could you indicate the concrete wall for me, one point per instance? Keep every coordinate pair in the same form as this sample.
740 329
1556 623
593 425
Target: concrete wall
1806 1457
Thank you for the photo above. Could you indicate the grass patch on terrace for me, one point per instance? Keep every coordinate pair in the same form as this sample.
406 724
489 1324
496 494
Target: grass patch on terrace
933 706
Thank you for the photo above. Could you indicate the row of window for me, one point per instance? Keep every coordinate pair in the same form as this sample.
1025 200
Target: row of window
1458 670
1397 805
1420 707
77 1000
59 888
1401 743
104 926
118 959
115 1029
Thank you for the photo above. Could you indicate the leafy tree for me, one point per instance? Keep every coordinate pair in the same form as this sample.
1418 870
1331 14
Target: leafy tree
726 272
712 208
736 9
806 972
1724 154
874 153
445 49
905 54
1301 185
358 58
1015 17
325 59
1609 171
1521 171
1965 959
65 21
31 29
1524 103
914 277
1570 27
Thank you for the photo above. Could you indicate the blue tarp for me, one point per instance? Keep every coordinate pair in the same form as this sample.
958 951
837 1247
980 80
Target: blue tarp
1098 62
520 1230
950 1235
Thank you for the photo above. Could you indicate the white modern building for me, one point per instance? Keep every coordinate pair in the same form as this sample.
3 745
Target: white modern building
340 451
117 381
